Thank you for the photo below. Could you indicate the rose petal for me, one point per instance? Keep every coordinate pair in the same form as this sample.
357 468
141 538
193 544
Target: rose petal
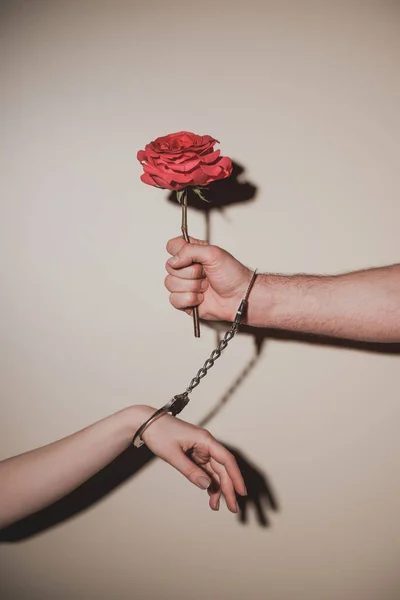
167 174
141 155
182 159
198 178
182 177
184 167
211 157
146 178
206 139
226 164
211 170
155 181
219 170
162 183
151 151
177 142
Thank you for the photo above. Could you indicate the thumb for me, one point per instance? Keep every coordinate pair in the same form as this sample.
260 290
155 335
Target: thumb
188 468
175 244
194 253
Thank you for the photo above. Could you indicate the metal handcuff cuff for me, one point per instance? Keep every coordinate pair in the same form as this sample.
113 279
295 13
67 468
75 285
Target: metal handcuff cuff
178 402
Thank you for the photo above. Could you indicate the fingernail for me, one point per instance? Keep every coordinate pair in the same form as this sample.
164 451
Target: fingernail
245 491
203 483
173 260
203 284
217 507
237 508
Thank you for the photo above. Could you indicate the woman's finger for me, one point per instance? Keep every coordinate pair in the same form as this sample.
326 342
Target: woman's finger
195 474
227 486
222 456
214 491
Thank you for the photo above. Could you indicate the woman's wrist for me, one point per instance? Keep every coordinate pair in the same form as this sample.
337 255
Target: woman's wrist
132 418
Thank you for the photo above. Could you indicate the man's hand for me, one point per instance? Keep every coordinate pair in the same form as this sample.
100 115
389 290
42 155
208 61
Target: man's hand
205 276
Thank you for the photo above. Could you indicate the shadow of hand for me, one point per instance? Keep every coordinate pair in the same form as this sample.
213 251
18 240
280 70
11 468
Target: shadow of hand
260 494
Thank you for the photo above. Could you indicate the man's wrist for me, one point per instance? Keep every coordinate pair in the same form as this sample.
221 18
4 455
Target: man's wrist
260 303
287 301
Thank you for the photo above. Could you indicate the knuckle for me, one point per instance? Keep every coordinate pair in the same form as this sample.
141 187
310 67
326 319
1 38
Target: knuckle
172 300
207 435
173 244
196 285
215 252
192 299
196 270
190 472
230 458
198 298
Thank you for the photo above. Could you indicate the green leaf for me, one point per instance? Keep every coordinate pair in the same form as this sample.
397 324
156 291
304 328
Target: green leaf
200 194
180 195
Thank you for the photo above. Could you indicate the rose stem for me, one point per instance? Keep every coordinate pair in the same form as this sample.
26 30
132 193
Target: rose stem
184 229
208 227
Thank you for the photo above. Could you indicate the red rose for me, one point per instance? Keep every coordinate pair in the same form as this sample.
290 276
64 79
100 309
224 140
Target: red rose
183 159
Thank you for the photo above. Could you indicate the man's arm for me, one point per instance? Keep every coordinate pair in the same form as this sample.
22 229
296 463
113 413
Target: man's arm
362 305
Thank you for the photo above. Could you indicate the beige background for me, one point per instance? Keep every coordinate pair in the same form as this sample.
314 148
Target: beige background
306 97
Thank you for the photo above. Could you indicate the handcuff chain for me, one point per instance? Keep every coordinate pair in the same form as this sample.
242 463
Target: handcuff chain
211 360
223 343
178 402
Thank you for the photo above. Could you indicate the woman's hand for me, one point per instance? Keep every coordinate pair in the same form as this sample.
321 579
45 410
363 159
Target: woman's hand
199 457
35 479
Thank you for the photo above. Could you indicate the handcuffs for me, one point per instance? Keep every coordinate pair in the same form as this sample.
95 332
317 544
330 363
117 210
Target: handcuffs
178 402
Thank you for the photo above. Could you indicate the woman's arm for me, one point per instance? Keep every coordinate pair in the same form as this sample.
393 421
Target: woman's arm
35 479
